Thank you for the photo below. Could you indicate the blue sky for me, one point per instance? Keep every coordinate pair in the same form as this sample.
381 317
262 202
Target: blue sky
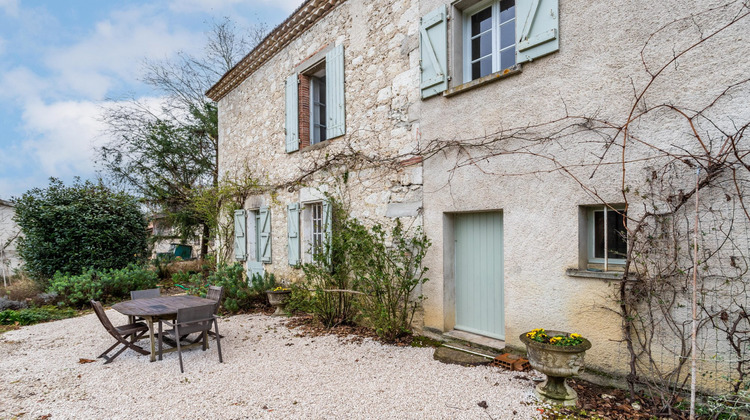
61 61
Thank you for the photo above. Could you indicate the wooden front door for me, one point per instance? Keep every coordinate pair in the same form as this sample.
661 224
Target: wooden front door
479 274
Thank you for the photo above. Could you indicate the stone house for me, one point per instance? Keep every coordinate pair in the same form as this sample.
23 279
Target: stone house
336 77
9 232
501 118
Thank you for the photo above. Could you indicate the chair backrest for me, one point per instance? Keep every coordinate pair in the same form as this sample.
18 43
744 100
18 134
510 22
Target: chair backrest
145 294
215 293
197 318
99 310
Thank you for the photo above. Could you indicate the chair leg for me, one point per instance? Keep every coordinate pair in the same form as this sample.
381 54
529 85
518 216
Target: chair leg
204 335
104 354
160 339
218 340
179 348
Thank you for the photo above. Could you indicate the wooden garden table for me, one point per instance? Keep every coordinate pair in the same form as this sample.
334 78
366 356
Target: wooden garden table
154 309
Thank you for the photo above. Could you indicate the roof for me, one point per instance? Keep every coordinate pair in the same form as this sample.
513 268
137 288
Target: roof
309 13
6 203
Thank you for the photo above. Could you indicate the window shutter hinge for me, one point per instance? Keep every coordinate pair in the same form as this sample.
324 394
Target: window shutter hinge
450 78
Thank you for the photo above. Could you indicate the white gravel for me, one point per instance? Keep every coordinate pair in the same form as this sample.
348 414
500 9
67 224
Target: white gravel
268 372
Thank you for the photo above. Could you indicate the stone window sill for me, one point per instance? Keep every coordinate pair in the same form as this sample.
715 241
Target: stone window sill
483 81
601 275
319 145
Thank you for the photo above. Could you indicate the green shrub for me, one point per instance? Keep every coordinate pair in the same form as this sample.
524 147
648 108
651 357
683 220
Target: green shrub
388 276
71 229
35 315
239 293
299 301
101 285
367 275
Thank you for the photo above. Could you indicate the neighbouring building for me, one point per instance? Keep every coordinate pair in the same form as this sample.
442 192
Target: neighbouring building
528 138
9 232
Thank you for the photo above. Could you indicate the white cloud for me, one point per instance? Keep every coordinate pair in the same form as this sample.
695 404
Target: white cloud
21 84
192 6
115 50
10 7
63 136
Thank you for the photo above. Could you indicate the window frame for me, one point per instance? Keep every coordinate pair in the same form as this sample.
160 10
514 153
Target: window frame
591 239
252 237
308 231
466 36
317 86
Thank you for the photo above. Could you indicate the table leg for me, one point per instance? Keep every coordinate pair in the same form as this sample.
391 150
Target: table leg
150 322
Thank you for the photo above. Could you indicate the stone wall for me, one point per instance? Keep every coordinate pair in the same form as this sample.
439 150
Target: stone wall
381 50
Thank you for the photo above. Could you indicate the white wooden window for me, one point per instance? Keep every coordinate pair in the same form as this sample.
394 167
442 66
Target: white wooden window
318 109
607 237
489 34
253 235
318 231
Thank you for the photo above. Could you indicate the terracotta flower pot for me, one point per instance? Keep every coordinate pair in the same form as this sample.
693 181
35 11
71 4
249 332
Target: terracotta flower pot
278 299
558 363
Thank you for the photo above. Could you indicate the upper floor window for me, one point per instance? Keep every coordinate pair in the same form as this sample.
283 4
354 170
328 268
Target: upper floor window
317 109
489 38
315 100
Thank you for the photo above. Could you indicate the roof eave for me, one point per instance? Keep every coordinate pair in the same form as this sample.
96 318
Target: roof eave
310 12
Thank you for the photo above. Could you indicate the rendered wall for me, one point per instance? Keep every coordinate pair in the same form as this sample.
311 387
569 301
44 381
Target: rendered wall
595 73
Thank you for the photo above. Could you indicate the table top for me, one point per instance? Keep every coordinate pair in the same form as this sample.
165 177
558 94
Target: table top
165 305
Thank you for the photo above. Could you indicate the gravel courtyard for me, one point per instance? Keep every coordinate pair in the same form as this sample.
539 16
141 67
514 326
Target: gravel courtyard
268 372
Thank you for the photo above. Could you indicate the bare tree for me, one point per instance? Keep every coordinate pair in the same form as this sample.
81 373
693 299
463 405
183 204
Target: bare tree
166 151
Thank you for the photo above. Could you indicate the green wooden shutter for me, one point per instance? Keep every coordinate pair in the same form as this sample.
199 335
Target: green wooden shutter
328 227
335 109
240 244
537 28
292 114
265 235
433 52
292 220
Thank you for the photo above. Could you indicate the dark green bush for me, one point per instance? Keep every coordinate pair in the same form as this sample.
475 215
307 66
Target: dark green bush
101 285
72 229
35 315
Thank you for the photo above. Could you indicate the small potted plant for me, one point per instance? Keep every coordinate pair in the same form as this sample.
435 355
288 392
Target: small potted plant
278 297
559 355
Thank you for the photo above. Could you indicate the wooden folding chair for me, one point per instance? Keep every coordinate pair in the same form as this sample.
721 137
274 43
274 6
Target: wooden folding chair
145 294
191 320
121 334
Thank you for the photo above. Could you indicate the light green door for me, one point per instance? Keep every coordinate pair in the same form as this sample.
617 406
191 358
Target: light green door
479 274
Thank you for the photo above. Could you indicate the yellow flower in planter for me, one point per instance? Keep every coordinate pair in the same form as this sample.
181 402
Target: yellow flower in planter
574 335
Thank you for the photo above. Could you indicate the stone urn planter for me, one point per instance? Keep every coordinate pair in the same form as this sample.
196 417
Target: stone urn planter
558 363
278 299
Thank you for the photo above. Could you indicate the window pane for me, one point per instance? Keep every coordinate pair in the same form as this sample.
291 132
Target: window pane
616 235
481 45
322 90
481 21
507 58
507 10
481 68
598 234
507 35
